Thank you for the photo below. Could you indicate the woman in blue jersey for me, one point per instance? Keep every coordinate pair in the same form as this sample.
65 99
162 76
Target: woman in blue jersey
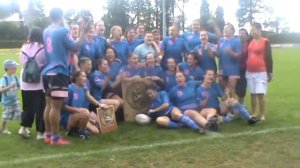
173 47
113 62
101 85
152 71
170 74
191 68
206 52
89 48
166 115
208 94
76 115
183 96
128 72
229 52
193 38
121 46
132 41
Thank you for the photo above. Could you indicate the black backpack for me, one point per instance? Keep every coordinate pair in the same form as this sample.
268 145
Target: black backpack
31 71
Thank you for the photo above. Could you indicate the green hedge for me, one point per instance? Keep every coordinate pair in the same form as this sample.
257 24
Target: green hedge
11 43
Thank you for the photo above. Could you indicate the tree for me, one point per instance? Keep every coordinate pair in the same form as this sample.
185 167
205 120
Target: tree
219 18
248 10
278 24
205 16
142 12
180 19
34 15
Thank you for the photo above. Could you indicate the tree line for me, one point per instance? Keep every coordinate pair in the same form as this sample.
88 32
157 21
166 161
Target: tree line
128 13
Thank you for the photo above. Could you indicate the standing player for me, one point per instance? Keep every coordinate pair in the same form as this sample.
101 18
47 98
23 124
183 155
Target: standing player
100 39
242 82
89 48
259 69
193 38
140 29
173 47
57 42
148 46
206 52
229 51
121 46
132 41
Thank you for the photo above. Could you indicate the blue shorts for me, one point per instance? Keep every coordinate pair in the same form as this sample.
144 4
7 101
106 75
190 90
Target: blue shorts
160 114
231 71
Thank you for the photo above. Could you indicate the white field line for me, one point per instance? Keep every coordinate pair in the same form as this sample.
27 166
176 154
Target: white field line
146 146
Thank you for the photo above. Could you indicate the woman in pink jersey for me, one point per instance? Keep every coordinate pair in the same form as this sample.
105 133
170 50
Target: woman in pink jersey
259 69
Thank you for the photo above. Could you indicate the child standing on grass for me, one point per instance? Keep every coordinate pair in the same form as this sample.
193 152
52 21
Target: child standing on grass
9 85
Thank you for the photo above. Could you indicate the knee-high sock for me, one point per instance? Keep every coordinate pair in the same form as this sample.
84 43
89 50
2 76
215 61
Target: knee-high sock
173 124
243 111
188 122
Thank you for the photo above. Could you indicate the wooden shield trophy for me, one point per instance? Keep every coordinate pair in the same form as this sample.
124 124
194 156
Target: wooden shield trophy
135 98
107 119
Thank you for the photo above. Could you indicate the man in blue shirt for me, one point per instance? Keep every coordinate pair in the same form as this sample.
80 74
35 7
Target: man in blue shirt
229 52
58 43
173 47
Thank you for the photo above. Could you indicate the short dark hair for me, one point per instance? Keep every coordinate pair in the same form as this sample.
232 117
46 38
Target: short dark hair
155 31
231 25
56 14
99 62
36 35
256 25
75 76
82 60
152 86
244 30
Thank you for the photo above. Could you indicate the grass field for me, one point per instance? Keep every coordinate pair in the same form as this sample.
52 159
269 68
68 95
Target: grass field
274 143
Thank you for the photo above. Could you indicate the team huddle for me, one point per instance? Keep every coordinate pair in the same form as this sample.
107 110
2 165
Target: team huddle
81 70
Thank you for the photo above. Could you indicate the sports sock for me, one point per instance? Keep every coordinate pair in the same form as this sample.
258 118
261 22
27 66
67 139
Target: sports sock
243 111
173 124
188 122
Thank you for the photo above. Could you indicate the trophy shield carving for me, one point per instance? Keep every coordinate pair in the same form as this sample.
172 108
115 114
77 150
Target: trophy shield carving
135 98
107 119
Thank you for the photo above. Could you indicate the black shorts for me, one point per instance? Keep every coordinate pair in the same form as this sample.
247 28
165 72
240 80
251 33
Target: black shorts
241 86
56 86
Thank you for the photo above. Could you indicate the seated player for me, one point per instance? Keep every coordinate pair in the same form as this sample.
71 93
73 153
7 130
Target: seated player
76 116
183 96
232 109
164 113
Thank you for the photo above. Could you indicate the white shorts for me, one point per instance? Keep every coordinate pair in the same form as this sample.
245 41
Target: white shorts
257 82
